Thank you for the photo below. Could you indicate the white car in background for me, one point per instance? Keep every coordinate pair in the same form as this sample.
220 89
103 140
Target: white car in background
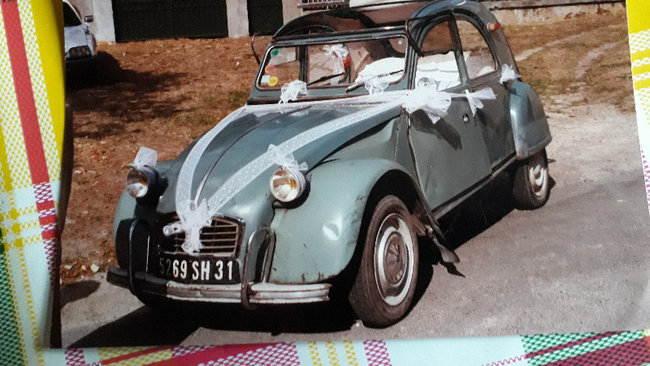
80 43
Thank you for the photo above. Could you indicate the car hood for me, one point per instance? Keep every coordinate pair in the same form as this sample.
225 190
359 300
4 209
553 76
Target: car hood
245 140
75 36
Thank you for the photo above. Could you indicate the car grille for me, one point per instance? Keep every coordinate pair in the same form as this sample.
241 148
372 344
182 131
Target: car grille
221 238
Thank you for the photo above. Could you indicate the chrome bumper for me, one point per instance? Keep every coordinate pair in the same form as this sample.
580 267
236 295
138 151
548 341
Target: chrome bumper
256 293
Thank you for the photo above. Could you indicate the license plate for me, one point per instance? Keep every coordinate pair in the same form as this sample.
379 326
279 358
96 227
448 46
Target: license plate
199 270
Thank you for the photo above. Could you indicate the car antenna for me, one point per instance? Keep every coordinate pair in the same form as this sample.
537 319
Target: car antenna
253 49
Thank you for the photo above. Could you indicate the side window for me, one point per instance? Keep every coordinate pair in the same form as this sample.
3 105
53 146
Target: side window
438 64
477 54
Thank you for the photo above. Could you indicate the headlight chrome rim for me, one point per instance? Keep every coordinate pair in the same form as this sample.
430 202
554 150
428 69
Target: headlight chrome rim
287 184
139 181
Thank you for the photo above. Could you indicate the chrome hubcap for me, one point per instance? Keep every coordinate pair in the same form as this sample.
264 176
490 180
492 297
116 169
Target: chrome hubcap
394 259
538 176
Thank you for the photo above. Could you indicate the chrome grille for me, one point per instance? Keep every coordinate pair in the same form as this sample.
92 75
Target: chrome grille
221 238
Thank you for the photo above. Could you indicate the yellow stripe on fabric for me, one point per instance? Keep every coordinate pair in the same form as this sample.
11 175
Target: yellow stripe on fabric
108 353
638 18
642 67
31 308
350 354
147 359
16 167
314 354
45 10
642 84
331 354
640 55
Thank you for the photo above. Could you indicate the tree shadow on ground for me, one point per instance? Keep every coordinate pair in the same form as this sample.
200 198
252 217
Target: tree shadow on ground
102 88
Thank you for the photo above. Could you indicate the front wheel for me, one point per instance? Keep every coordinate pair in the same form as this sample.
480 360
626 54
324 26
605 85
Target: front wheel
530 185
385 284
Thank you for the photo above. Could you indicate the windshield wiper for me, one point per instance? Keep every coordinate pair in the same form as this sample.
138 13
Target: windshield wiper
357 84
324 78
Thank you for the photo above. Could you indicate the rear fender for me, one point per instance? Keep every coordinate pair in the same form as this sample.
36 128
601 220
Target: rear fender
529 125
316 240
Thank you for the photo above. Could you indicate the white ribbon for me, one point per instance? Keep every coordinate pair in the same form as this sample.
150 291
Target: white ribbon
434 103
337 53
285 159
145 157
376 84
476 98
291 91
508 74
193 217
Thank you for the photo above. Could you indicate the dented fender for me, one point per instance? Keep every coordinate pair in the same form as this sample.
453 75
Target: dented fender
529 125
316 240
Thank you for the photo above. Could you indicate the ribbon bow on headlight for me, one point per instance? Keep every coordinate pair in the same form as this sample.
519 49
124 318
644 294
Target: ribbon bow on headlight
142 175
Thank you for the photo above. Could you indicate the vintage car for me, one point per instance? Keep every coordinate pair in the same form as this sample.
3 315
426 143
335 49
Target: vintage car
80 43
363 128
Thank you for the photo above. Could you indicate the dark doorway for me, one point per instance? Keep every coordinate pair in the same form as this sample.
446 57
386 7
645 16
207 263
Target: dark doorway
150 19
264 16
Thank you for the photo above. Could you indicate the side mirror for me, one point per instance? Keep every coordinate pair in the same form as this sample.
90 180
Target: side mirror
88 18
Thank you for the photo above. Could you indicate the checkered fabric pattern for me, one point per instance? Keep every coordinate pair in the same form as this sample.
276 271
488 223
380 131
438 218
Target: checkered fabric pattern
611 348
376 353
11 348
282 354
75 357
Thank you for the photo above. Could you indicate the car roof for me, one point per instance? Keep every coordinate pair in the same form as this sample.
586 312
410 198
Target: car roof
373 16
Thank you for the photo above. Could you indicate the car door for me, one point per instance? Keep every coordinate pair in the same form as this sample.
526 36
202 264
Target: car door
450 154
484 72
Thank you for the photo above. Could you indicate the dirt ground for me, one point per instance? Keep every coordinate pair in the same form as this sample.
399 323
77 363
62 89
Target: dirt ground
165 93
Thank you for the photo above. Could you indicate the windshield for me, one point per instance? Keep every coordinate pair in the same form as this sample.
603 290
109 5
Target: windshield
335 64
70 18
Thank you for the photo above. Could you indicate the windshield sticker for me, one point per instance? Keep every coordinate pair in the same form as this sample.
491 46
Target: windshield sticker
273 81
265 79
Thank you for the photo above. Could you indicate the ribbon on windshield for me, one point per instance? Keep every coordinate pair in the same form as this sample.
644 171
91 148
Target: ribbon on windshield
195 216
290 91
337 53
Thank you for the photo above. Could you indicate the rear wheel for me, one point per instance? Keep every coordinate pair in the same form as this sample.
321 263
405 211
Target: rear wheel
530 186
383 290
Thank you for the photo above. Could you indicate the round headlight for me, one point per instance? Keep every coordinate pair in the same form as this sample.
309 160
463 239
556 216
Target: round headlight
137 182
287 184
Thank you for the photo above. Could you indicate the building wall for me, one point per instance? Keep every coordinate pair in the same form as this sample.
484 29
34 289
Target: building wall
508 11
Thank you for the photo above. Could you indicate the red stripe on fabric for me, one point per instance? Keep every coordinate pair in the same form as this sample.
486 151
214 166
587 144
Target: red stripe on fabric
632 353
44 206
571 344
212 354
133 355
24 92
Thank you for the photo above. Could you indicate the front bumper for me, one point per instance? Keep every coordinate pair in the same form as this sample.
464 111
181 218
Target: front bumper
246 294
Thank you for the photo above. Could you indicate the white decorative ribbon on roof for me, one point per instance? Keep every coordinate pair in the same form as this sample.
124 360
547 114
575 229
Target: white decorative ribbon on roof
193 217
290 91
508 74
144 157
285 159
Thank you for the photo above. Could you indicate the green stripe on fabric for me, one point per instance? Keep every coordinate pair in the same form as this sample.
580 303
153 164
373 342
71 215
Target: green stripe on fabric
10 341
533 343
577 349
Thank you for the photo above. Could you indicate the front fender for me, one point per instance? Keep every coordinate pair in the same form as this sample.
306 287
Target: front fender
529 125
316 240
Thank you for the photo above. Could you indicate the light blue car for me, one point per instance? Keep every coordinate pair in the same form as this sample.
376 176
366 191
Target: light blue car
363 128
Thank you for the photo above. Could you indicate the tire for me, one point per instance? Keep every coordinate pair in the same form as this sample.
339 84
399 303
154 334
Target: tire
530 185
383 290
